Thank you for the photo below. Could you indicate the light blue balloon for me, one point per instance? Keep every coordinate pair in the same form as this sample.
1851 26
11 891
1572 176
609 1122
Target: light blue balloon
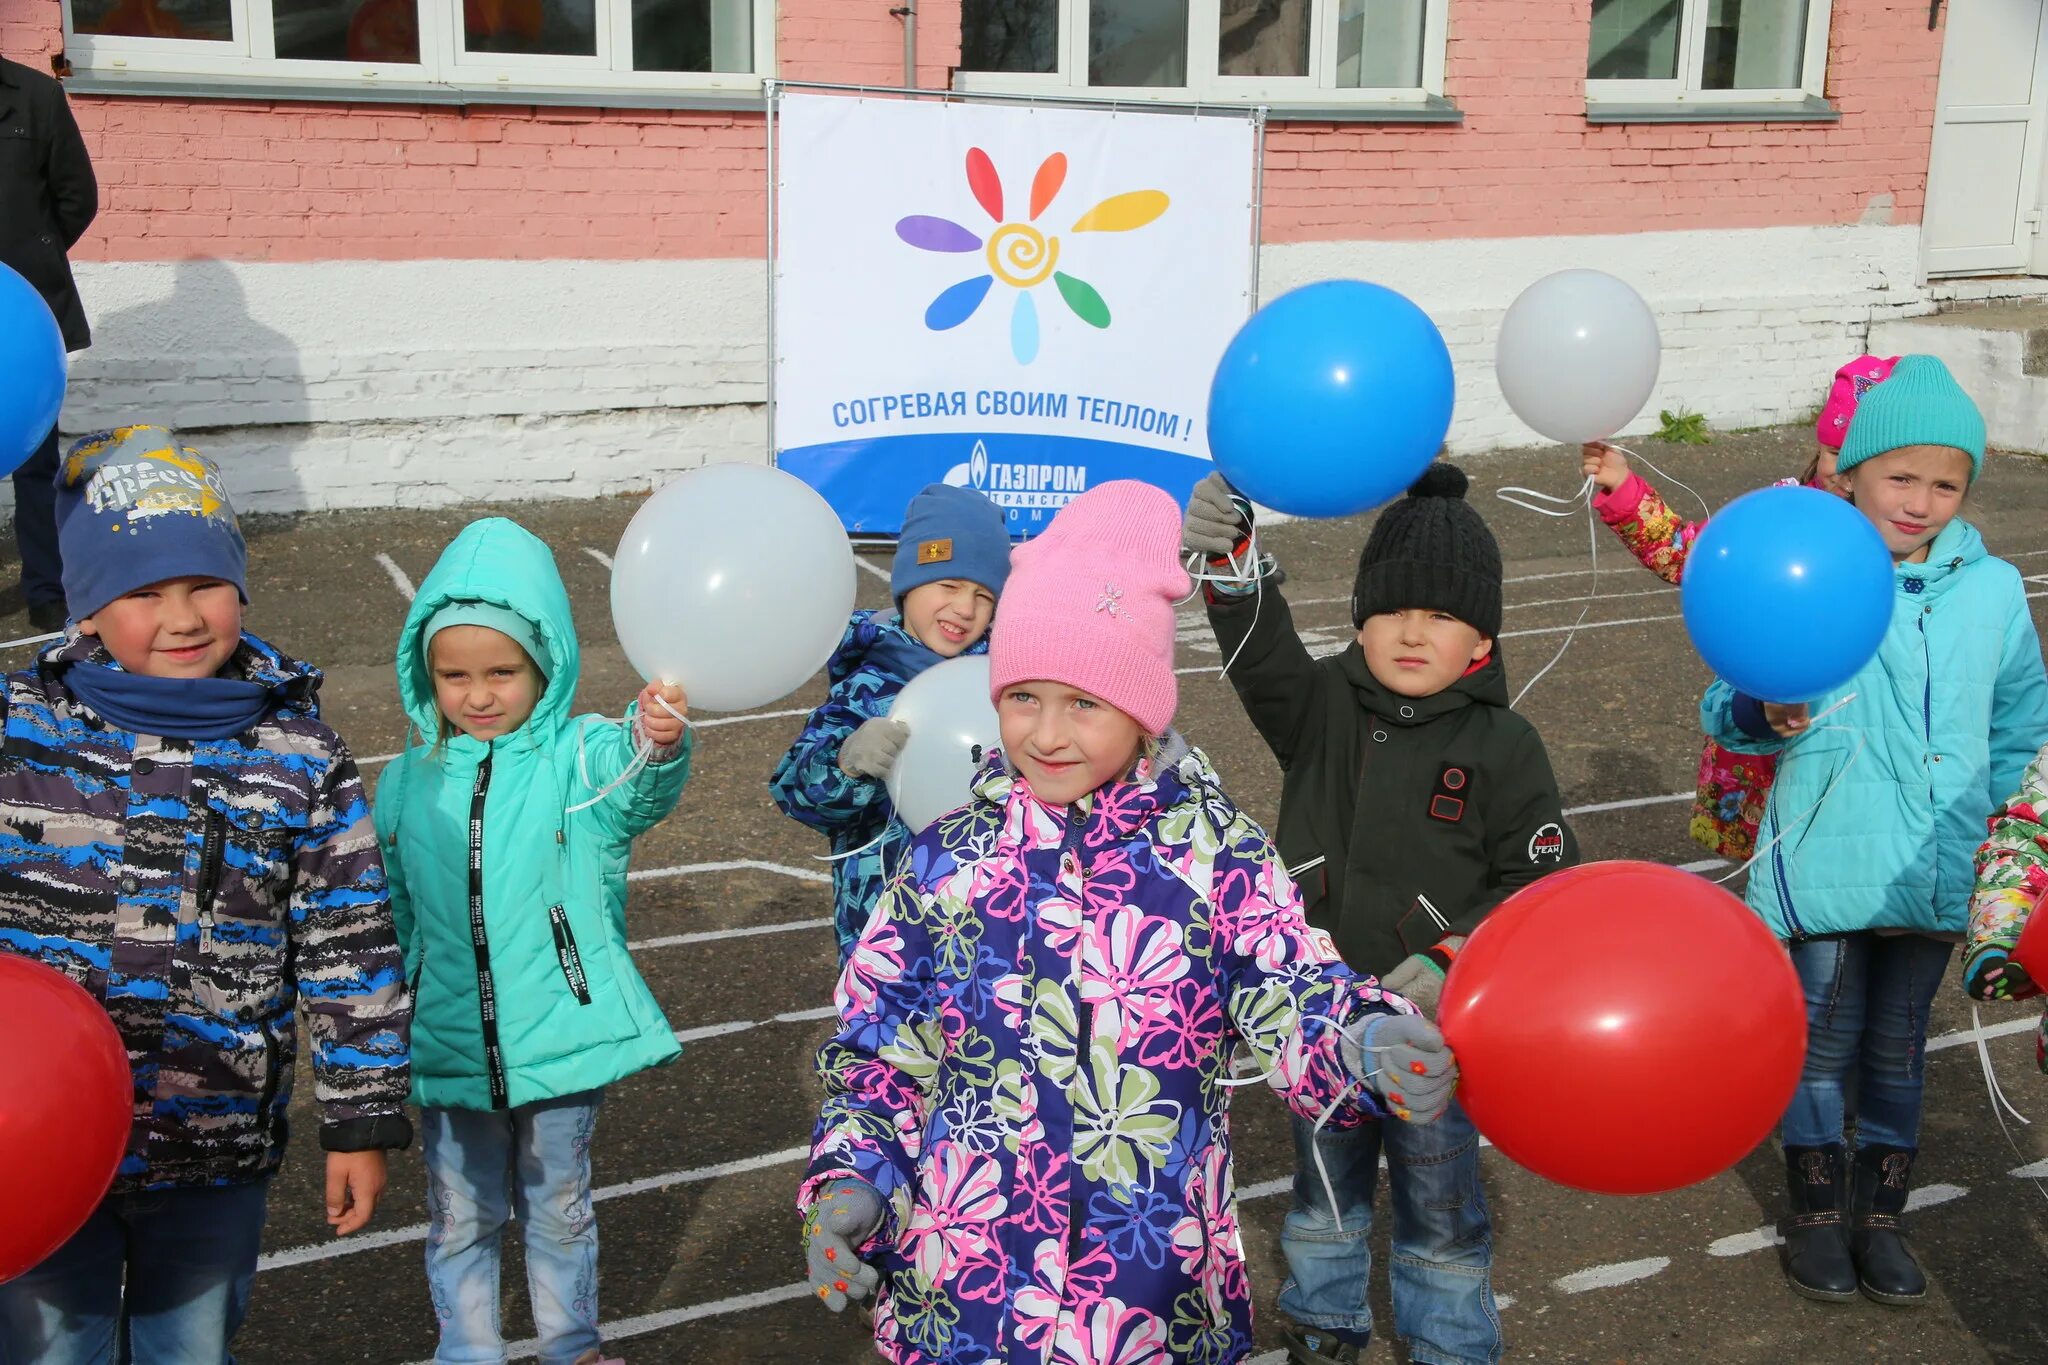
1788 593
31 370
1331 399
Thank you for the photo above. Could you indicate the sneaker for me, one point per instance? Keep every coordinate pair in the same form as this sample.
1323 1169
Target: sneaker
1318 1345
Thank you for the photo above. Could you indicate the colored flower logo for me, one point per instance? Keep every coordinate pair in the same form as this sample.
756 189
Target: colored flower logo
1022 255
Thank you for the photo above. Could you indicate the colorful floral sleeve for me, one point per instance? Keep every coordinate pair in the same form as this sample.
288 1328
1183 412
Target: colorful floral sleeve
1287 993
879 1069
2012 874
1653 533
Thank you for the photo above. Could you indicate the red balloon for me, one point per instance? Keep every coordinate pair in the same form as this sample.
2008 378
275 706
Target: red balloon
1624 1028
65 1107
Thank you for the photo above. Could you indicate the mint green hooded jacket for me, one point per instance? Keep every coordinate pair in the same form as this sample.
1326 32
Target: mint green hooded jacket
550 1004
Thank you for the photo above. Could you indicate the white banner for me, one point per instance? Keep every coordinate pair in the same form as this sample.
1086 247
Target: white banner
1028 300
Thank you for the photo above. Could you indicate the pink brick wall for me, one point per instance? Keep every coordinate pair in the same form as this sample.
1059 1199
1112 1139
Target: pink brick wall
261 181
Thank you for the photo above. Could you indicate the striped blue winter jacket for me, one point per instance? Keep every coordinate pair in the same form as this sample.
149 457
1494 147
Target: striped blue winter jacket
201 890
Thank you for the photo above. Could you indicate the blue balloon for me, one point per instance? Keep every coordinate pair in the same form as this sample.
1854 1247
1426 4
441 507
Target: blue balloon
1788 593
31 370
1331 399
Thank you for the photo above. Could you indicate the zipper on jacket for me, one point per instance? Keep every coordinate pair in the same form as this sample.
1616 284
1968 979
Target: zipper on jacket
565 952
486 993
1070 847
1778 874
212 848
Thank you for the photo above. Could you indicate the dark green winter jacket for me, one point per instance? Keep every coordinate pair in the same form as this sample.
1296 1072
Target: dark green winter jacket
1387 800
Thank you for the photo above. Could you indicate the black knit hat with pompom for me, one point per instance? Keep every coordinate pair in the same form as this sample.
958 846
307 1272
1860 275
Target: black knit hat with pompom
1431 551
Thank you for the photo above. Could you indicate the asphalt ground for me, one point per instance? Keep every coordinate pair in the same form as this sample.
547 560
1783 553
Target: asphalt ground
698 1161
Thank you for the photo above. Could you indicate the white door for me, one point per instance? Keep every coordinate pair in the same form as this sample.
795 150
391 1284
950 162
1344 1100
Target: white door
1985 172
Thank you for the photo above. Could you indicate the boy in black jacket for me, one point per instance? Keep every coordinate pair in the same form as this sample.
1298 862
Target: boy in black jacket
1413 801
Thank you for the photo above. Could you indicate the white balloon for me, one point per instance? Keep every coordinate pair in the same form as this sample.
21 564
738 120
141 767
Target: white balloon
952 727
735 581
1578 355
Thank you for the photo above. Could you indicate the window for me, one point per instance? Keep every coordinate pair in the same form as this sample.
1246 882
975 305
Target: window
1269 51
648 45
1707 51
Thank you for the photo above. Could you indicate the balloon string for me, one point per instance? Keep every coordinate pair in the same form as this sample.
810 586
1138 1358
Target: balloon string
852 852
1705 511
1584 497
1997 1094
643 752
1254 568
1785 829
32 639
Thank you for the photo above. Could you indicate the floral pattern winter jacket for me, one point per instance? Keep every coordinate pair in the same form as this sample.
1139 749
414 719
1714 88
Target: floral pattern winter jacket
1732 786
2012 877
1035 1033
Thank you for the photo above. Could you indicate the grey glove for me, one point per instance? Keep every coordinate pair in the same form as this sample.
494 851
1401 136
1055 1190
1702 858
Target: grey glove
845 1214
1418 978
1217 519
1405 1062
872 750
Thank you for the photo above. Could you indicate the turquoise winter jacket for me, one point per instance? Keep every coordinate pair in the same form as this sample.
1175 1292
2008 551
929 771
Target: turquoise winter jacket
569 1010
1948 715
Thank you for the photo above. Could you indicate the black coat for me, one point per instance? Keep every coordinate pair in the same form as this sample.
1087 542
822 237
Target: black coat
1448 797
47 192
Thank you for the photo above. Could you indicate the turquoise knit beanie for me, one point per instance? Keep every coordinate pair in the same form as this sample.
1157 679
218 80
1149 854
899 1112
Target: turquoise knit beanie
1919 404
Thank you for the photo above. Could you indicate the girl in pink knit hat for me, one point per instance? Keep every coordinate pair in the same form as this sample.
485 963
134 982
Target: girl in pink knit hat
1732 786
1027 1087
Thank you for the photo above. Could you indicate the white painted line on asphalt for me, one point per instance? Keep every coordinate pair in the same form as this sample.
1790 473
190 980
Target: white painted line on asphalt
1608 1276
1704 865
1591 625
1631 803
2031 1171
373 760
1968 1036
417 1232
674 1317
698 1035
398 578
1766 1237
861 562
715 935
599 555
802 874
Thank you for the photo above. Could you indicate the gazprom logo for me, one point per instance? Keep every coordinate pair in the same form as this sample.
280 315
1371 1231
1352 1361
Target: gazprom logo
1015 484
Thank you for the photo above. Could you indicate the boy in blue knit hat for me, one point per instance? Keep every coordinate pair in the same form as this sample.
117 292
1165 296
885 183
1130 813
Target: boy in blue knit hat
951 562
190 843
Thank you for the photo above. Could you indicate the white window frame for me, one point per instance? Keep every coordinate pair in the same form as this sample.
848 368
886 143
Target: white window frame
1204 84
252 56
1692 60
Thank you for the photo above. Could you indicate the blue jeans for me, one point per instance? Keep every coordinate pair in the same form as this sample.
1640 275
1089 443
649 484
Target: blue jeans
1867 997
482 1166
188 1257
1442 1271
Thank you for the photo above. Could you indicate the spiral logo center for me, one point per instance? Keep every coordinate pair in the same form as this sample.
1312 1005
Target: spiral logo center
1021 256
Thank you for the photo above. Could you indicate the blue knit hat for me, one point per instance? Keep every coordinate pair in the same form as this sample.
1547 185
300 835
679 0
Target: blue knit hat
1920 404
134 508
951 532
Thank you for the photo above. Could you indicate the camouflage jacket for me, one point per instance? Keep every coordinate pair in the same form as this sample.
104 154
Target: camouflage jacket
200 890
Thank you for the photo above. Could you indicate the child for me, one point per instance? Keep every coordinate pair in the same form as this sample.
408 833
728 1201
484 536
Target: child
1732 786
1879 814
509 884
1025 1119
2012 877
186 840
1413 802
951 562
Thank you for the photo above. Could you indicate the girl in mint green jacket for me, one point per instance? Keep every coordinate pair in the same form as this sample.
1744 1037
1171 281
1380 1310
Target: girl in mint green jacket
1865 868
508 884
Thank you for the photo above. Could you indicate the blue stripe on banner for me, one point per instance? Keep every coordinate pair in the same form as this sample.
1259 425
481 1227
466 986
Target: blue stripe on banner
1030 476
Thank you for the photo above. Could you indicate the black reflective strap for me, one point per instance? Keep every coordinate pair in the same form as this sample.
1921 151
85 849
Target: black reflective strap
486 994
565 951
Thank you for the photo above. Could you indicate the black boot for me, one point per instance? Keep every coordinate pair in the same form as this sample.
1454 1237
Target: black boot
1816 1250
1885 1267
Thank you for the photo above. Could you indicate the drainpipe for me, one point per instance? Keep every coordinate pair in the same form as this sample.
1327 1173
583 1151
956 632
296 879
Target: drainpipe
907 12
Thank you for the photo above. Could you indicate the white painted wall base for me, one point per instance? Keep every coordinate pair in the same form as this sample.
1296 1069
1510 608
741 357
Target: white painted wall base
368 383
1988 351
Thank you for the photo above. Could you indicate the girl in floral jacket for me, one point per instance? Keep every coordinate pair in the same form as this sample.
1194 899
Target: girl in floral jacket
1732 786
1026 1119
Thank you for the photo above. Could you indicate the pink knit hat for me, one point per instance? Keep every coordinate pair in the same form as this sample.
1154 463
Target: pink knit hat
1851 381
1090 603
